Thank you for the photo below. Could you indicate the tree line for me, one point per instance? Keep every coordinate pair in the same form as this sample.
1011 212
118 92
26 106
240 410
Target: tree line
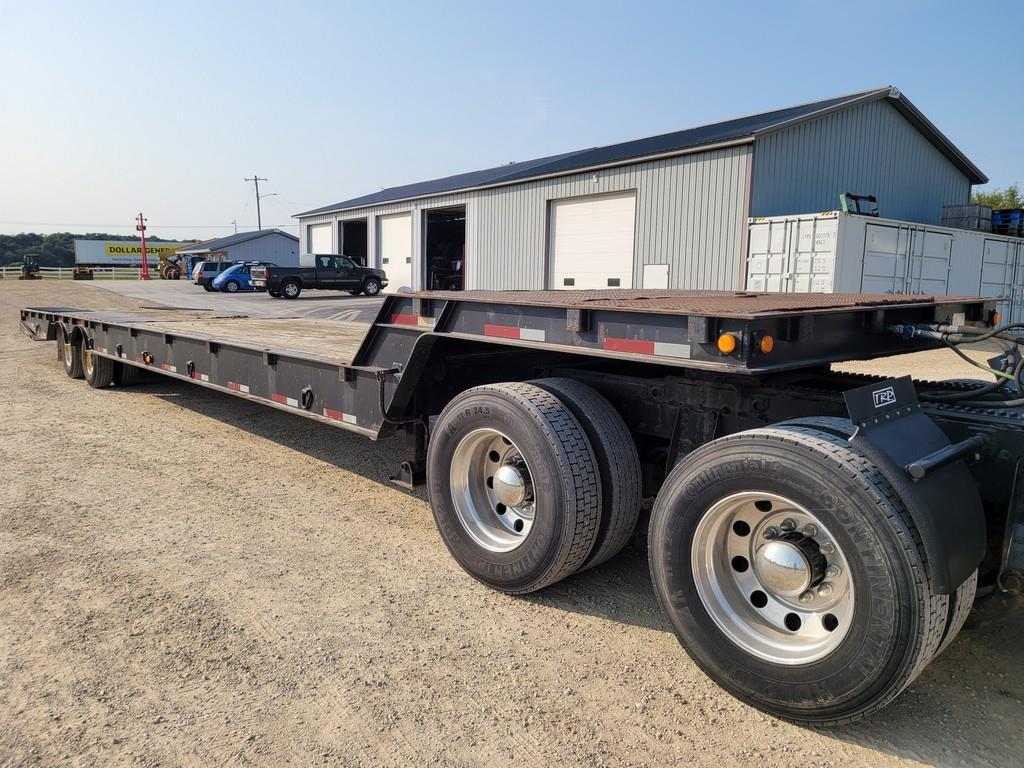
56 250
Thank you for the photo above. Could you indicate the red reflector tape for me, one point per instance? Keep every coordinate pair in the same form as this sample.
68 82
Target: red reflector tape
284 400
169 367
348 418
404 320
238 387
630 345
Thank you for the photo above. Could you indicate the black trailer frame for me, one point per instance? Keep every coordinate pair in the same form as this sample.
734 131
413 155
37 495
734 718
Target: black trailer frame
682 369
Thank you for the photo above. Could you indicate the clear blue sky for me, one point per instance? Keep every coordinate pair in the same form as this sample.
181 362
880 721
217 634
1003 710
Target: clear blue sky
165 107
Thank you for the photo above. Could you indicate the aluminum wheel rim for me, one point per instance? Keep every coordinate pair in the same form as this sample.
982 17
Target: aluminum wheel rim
737 576
69 353
497 513
87 361
371 288
291 289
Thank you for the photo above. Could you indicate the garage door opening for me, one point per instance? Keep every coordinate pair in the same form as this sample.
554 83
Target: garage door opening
445 248
352 236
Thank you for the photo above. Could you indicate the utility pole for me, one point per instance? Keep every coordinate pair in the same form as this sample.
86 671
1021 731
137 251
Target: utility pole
141 228
235 222
256 180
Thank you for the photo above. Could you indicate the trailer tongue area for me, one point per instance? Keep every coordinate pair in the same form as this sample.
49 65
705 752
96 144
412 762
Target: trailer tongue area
817 537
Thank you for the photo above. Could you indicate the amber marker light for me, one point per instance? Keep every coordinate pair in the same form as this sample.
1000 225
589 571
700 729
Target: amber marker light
726 343
767 344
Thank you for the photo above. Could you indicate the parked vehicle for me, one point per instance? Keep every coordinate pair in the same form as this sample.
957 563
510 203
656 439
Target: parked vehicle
238 278
330 272
817 537
205 272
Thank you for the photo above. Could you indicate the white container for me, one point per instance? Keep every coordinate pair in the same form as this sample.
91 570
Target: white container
845 253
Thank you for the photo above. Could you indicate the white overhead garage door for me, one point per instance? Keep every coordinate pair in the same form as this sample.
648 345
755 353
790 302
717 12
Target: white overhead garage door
319 240
591 242
395 237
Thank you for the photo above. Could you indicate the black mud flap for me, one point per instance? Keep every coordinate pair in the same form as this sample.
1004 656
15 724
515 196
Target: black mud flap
929 474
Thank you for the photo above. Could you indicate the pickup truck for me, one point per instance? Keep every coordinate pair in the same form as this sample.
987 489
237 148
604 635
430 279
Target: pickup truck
330 272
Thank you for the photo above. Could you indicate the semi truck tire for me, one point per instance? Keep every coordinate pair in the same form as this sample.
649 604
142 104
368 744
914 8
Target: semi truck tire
291 289
98 371
126 375
962 601
617 462
793 574
514 486
70 356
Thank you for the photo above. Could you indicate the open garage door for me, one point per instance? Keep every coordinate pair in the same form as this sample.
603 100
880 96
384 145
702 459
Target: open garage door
319 240
394 235
591 242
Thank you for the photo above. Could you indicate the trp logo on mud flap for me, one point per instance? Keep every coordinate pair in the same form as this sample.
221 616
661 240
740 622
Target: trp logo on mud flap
883 397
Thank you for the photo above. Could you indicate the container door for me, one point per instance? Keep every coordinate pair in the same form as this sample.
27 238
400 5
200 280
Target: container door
930 262
768 255
886 249
1017 289
997 273
812 261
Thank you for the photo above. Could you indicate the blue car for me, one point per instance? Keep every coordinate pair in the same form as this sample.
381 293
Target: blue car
237 278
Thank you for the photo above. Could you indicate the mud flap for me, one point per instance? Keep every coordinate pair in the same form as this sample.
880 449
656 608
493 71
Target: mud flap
894 434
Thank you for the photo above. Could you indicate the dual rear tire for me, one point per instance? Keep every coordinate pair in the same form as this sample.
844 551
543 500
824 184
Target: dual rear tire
794 576
520 496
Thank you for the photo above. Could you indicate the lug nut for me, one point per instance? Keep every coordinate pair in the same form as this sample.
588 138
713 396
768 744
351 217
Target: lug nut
787 525
824 589
827 548
806 597
771 532
832 571
810 530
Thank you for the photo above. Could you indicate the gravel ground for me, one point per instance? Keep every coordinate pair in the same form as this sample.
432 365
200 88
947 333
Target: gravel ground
190 579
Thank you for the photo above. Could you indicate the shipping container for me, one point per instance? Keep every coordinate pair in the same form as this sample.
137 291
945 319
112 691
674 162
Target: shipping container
845 253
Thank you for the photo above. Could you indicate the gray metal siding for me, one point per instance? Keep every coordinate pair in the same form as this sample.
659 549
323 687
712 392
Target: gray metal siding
279 249
868 149
691 214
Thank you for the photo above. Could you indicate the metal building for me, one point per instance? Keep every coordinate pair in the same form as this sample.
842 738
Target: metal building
664 211
271 245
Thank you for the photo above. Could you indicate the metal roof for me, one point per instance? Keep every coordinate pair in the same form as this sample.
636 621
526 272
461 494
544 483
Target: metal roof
741 129
220 243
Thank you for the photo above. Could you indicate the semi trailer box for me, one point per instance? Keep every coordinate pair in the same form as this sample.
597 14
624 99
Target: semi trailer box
845 253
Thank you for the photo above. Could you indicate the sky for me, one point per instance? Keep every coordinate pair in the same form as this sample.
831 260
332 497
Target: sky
108 109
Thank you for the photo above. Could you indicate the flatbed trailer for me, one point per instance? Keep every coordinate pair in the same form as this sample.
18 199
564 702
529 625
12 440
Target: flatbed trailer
816 539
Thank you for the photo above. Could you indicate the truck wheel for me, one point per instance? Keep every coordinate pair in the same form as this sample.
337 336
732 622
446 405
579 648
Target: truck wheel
71 358
98 371
514 486
290 289
231 286
275 294
962 601
793 575
126 375
355 293
371 286
617 462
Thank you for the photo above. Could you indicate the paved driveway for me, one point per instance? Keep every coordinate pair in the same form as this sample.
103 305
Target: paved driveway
334 305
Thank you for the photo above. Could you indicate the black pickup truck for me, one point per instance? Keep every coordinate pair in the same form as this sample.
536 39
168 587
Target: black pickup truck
330 272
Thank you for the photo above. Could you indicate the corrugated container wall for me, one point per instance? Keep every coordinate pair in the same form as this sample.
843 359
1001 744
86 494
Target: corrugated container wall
869 149
690 214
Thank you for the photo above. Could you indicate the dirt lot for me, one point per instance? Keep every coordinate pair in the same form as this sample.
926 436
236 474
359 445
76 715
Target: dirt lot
189 579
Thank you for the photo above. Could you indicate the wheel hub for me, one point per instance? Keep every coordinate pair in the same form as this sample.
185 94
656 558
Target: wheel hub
509 486
789 565
772 577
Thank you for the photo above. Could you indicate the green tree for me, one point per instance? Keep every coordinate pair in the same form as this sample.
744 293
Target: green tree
999 198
